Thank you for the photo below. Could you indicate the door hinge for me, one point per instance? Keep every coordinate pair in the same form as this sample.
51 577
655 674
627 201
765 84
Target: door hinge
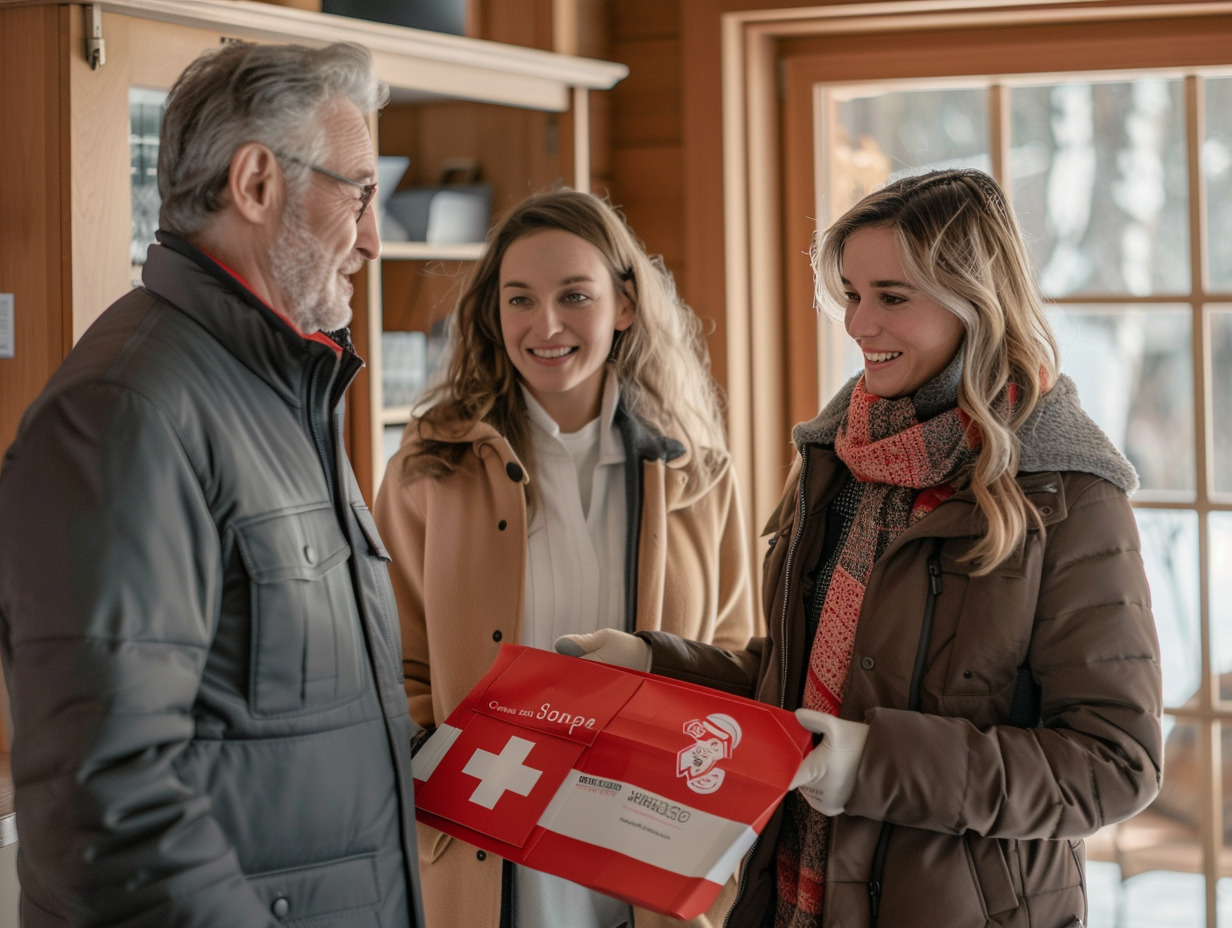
96 48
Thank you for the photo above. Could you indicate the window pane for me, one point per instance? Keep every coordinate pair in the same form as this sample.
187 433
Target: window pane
1221 396
1217 168
404 367
1099 183
1133 367
884 136
1223 889
145 117
391 440
1170 555
1147 871
1220 543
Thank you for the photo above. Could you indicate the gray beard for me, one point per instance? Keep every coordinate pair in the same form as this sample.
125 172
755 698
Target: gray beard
309 286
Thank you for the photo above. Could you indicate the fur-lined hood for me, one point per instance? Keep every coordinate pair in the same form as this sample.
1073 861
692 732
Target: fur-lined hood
1058 436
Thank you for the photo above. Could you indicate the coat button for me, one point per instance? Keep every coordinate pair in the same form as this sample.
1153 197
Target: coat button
502 525
281 907
309 555
867 663
514 471
497 636
481 855
1045 510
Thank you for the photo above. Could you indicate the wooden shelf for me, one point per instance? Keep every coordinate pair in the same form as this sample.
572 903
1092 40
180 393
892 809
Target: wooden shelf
427 251
395 415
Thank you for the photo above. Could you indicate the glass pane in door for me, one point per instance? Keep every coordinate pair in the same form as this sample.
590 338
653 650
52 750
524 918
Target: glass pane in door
1220 544
145 117
1220 335
1133 366
883 136
1170 555
1099 182
1223 888
1217 172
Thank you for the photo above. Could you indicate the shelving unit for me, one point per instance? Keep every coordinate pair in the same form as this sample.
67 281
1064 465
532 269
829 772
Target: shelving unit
523 113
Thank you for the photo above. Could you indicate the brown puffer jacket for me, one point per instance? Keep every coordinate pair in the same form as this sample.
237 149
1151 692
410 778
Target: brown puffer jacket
984 818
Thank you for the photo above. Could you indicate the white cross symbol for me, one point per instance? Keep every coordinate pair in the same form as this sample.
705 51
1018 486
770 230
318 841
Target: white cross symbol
500 772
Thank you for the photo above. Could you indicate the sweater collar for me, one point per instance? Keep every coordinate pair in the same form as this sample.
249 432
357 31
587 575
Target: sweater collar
611 448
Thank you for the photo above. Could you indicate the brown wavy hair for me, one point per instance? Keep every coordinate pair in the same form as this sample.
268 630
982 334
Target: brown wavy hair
660 360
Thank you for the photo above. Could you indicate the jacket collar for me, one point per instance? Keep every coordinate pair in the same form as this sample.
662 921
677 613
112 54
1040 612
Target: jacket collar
641 440
257 336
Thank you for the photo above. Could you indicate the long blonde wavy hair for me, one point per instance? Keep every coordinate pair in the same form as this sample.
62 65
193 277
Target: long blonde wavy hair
962 247
661 361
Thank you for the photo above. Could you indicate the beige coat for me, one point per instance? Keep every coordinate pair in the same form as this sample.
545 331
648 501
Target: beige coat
461 595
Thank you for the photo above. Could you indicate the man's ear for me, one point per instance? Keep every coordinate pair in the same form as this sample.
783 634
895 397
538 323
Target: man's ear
256 184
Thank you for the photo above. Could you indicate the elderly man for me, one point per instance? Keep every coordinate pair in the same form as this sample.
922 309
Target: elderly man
196 621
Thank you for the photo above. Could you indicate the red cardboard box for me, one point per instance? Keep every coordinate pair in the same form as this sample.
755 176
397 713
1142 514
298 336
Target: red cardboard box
638 786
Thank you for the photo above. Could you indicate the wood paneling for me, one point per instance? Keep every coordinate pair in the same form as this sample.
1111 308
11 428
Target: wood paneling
646 106
1060 47
516 22
636 20
650 178
34 229
417 294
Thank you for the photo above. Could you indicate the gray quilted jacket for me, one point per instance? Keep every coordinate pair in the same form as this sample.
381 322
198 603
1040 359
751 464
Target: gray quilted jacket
198 631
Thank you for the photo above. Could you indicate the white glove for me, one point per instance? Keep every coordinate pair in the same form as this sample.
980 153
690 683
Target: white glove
827 777
608 646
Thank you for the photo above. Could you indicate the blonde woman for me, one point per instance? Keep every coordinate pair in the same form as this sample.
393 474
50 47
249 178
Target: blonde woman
569 474
955 597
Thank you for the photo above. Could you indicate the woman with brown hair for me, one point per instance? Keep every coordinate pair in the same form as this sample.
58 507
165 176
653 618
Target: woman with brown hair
570 473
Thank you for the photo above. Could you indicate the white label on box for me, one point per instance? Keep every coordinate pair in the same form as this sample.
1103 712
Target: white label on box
7 327
647 827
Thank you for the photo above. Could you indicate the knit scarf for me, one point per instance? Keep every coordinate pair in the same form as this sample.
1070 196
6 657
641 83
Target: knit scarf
904 468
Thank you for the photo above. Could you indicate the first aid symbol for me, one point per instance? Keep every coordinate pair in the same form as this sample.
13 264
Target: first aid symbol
498 773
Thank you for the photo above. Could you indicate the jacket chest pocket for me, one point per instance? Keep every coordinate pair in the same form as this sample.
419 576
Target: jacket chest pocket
305 635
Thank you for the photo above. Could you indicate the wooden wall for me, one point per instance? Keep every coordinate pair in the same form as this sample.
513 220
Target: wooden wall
35 228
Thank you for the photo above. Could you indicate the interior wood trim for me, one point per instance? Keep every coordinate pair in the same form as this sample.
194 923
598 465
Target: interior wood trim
453 66
738 316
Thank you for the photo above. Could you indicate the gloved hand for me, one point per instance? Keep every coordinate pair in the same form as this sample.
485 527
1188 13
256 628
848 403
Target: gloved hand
827 777
608 646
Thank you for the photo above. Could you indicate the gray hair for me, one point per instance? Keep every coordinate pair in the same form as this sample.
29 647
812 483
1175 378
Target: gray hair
272 94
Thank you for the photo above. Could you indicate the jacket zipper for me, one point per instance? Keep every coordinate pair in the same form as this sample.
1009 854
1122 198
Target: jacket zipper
789 560
788 563
913 704
319 415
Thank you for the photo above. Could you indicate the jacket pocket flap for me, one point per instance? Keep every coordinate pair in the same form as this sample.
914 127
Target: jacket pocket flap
350 883
367 525
300 544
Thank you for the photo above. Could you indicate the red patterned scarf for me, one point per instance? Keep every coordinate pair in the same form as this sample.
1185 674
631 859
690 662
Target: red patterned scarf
905 469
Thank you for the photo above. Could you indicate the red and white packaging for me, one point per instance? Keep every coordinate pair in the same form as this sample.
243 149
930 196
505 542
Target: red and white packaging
640 787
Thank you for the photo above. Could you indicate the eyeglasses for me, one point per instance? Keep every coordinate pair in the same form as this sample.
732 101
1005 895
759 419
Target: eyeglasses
366 191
